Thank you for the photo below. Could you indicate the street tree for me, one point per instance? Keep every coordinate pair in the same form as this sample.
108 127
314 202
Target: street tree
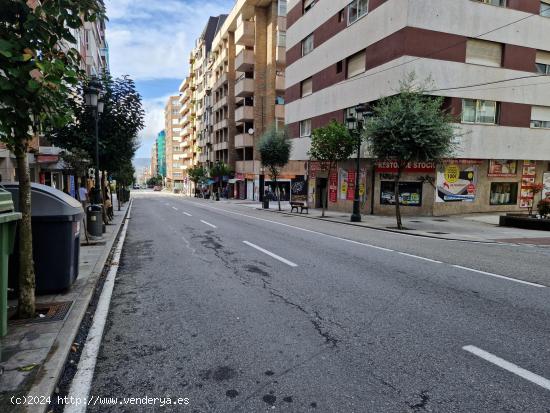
155 181
275 148
410 126
38 68
197 175
329 145
217 172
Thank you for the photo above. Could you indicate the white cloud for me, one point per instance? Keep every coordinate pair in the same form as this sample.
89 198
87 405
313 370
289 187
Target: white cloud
154 123
152 39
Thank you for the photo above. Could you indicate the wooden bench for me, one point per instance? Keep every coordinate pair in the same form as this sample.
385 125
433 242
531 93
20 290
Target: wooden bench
299 205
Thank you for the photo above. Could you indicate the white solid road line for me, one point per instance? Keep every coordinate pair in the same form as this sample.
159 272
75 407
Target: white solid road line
506 365
209 224
82 381
369 245
277 257
500 276
420 258
187 213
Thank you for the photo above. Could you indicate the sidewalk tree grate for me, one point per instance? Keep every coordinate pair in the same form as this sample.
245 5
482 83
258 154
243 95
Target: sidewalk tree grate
51 312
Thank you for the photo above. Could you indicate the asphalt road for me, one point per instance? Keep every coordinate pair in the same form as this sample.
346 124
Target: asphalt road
241 310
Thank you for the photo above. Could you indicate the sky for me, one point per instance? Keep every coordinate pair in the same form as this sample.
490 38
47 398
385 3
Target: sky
150 40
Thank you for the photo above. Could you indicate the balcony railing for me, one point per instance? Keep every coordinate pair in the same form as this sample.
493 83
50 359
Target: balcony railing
244 62
244 113
244 87
245 33
243 140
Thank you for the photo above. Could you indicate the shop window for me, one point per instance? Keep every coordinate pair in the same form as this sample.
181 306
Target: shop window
410 193
504 193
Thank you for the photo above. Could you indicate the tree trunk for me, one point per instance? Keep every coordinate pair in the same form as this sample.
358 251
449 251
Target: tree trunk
324 195
118 194
278 192
397 206
27 280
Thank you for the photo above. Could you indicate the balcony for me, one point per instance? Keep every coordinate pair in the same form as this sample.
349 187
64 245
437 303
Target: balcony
243 140
280 56
219 104
247 167
244 113
222 80
244 62
220 146
280 112
279 83
245 33
244 87
221 124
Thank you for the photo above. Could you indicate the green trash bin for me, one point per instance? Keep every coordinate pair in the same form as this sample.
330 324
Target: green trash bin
8 222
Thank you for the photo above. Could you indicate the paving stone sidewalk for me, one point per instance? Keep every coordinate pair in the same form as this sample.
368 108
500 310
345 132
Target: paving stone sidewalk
33 355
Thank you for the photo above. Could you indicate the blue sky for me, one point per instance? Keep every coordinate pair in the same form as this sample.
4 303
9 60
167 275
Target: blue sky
150 40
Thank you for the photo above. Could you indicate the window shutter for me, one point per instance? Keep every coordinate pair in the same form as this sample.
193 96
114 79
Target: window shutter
484 53
307 87
356 64
543 57
540 113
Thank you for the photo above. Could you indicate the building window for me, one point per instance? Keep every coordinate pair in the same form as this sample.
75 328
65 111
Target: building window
356 64
504 193
479 111
305 128
545 8
281 39
308 5
543 62
307 45
540 117
482 52
307 87
339 66
500 3
341 15
410 193
282 9
357 9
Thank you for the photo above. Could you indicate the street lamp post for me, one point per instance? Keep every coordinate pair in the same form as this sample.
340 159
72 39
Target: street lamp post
355 127
92 97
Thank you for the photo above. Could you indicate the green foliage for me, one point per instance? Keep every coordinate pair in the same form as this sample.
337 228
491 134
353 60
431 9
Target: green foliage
544 207
196 174
219 170
331 144
275 147
77 161
39 67
410 126
125 174
118 126
155 180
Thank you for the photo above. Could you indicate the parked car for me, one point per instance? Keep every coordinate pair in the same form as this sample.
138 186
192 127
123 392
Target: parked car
136 186
156 188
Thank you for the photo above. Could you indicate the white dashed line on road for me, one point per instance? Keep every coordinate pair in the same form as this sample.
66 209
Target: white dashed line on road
277 257
420 258
209 224
500 276
187 213
174 208
506 365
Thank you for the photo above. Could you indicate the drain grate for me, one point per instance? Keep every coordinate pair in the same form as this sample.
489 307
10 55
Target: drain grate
440 220
52 312
93 243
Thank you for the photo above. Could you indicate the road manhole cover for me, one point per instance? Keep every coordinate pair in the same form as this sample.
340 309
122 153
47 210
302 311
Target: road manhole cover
50 311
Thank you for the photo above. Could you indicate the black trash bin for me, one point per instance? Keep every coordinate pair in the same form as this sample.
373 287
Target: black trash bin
266 202
94 220
56 219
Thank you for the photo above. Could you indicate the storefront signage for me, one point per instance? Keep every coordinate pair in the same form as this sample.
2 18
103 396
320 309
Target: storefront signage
503 168
351 185
528 176
47 158
456 182
546 183
392 166
298 190
333 187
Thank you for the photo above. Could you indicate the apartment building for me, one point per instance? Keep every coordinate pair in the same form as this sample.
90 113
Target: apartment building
161 154
176 153
248 64
154 160
341 53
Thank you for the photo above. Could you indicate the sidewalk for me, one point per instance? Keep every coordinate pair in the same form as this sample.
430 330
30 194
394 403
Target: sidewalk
33 354
471 227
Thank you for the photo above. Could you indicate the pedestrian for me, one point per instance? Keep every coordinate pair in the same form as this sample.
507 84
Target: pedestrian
83 194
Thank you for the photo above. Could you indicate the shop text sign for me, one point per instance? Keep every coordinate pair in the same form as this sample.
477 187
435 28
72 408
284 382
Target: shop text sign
392 166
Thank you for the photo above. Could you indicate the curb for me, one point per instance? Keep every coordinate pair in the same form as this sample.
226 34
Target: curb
50 371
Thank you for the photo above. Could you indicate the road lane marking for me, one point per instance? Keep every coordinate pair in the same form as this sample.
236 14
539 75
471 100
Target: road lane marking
187 213
363 244
174 208
277 257
500 276
511 367
209 224
420 258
